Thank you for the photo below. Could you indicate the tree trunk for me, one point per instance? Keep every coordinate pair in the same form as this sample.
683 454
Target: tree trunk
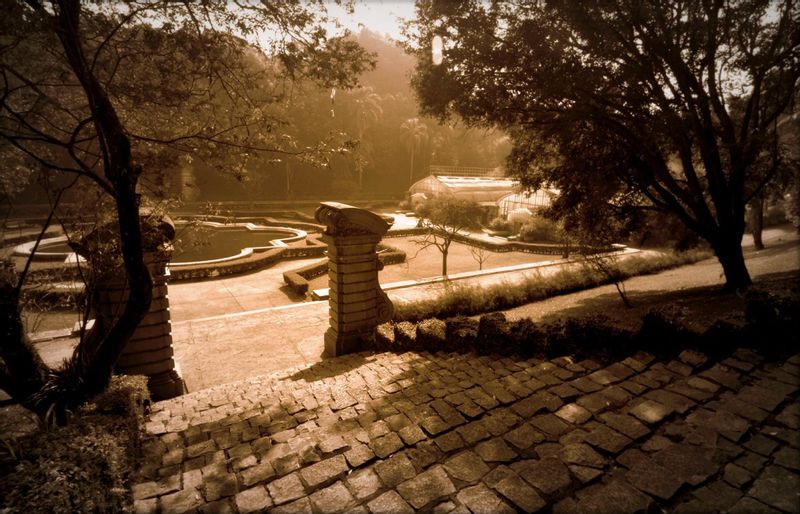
622 293
88 372
444 263
757 220
411 170
729 252
140 287
22 371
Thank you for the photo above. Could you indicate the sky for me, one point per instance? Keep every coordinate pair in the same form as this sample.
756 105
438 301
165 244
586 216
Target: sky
377 15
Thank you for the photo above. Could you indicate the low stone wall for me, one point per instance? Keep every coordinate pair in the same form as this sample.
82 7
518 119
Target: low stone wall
257 260
507 246
12 240
277 219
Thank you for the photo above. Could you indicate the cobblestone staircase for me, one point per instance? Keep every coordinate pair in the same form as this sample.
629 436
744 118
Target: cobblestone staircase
460 433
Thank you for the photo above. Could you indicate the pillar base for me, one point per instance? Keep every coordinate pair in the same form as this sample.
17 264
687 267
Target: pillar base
164 386
342 343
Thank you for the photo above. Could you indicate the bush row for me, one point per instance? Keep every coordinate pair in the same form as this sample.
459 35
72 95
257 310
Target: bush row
769 325
469 300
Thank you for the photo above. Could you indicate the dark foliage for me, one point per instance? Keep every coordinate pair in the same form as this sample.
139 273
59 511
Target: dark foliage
492 333
461 332
664 331
622 105
84 467
405 335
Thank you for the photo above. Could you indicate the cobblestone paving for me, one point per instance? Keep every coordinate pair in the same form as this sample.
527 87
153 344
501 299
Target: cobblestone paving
394 433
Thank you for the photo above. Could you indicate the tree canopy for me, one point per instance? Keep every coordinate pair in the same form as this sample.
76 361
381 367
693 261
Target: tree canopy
204 81
445 218
623 103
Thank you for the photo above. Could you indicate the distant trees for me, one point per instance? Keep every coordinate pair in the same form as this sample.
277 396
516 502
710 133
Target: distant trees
99 93
372 159
445 218
415 135
620 104
368 111
780 159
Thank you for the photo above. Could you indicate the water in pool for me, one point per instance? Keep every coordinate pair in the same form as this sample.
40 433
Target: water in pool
204 243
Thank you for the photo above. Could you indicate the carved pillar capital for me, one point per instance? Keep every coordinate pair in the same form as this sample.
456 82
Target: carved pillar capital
342 220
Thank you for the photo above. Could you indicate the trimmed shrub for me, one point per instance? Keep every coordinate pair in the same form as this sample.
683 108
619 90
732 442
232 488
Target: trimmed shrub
772 323
524 337
126 395
597 335
664 332
721 338
296 283
384 336
554 343
492 333
432 334
390 255
405 335
500 224
761 309
461 332
770 327
540 230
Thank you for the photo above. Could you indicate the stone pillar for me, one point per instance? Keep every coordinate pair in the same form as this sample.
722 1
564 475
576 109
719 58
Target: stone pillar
149 351
357 303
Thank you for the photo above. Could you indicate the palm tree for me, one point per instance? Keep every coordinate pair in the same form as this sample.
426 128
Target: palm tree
443 143
415 133
368 111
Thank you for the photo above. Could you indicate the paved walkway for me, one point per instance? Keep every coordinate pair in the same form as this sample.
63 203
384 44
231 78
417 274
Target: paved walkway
441 433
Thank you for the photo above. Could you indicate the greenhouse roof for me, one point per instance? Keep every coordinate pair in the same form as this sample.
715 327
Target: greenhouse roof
477 183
